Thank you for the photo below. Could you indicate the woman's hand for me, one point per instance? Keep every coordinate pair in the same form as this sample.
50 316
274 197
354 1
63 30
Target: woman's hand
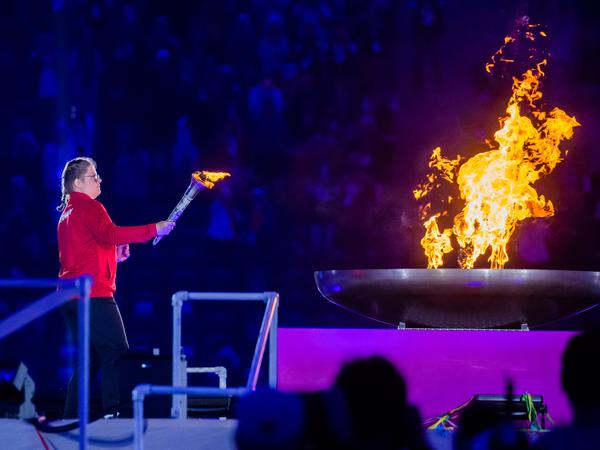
123 252
164 227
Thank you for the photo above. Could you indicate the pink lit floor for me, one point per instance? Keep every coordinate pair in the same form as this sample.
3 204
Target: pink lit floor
443 368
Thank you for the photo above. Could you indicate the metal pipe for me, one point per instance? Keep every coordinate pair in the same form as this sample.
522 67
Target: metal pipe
35 310
137 395
228 296
83 387
141 391
219 371
268 328
273 346
150 389
78 287
177 303
37 283
261 343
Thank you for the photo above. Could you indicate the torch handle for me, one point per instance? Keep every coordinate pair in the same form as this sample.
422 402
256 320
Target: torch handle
189 195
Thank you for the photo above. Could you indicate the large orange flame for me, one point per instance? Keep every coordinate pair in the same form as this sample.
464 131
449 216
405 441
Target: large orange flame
497 185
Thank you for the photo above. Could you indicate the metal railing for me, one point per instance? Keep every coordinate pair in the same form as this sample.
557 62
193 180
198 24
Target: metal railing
140 392
219 371
67 290
268 329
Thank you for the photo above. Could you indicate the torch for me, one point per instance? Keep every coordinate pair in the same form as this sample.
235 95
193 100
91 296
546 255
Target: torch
200 180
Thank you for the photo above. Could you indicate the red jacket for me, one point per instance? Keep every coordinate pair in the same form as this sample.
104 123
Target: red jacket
88 239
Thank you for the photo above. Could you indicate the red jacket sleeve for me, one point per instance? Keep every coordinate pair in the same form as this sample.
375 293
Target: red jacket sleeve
104 230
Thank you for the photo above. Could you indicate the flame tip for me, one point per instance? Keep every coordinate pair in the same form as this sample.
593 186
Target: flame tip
208 179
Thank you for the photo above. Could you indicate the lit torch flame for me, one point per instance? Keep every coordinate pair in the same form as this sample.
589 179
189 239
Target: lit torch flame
200 180
208 179
496 185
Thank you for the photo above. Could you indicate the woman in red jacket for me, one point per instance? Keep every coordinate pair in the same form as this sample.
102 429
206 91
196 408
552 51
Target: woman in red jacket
90 243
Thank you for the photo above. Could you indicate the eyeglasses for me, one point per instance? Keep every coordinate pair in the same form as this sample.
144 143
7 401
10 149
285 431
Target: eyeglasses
96 177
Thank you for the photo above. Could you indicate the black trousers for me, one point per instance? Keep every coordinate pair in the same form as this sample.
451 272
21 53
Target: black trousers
107 343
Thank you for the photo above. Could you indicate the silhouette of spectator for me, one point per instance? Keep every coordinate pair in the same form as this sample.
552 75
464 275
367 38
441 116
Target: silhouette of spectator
365 409
580 375
483 427
270 420
475 419
380 417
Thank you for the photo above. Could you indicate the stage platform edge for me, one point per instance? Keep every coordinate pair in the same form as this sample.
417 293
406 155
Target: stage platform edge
162 434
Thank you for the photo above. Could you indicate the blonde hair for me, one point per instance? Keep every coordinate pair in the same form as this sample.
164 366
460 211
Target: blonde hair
76 168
